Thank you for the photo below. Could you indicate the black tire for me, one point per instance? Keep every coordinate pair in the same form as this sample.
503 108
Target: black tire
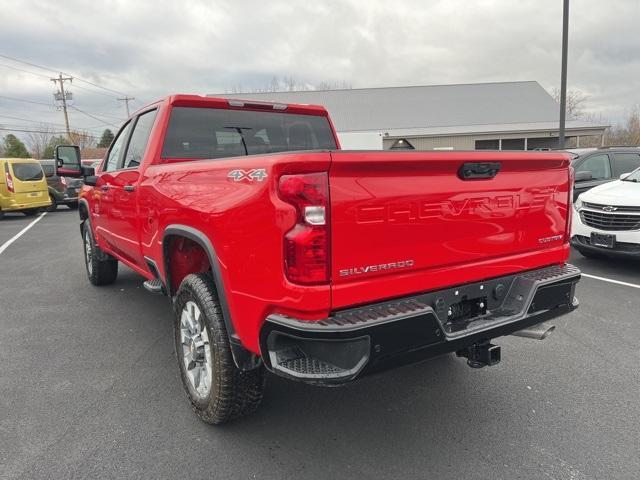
31 212
1 214
232 392
72 205
102 269
54 204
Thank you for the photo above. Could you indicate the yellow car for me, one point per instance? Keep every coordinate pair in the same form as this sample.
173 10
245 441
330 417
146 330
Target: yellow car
23 186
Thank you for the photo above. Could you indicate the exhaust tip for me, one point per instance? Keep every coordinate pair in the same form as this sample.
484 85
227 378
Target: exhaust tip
536 332
548 332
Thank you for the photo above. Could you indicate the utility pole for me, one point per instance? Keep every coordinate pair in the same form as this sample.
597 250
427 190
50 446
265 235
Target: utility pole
63 96
563 74
126 101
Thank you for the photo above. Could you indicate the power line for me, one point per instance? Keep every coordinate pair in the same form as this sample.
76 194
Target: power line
26 101
52 132
31 121
63 96
126 101
55 71
94 91
22 70
94 117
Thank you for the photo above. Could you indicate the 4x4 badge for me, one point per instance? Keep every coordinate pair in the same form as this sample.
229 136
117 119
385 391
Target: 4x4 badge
258 174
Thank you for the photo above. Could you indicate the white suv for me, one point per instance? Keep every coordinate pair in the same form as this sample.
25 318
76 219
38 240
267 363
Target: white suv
606 219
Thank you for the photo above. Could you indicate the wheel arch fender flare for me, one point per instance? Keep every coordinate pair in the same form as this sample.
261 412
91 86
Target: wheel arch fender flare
83 209
243 358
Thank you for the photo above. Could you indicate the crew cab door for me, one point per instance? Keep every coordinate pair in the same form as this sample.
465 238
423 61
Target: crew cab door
122 215
103 198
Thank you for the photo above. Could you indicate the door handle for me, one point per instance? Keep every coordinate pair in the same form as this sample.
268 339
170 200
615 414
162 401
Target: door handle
129 188
478 170
105 187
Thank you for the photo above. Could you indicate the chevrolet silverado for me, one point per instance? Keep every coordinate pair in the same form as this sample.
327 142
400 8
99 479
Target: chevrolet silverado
280 252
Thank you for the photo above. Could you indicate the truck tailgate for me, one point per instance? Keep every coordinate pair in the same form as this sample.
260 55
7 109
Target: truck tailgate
404 222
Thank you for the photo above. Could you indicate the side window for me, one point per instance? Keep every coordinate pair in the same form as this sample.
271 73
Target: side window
139 139
116 149
598 165
626 162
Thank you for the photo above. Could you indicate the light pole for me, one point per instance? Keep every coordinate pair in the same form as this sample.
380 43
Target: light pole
563 74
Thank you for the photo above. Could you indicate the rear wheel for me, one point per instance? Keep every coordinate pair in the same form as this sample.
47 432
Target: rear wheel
102 269
217 389
54 204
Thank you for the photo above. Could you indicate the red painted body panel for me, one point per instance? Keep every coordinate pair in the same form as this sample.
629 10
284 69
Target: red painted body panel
402 221
385 207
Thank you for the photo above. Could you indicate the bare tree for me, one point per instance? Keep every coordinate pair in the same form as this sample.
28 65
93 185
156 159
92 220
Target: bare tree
83 139
576 102
628 132
292 84
39 140
338 85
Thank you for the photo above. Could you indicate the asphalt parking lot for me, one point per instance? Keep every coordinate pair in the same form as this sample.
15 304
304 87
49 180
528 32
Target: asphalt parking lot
89 388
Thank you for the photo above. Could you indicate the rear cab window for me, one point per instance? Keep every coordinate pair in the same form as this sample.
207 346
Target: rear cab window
207 133
27 172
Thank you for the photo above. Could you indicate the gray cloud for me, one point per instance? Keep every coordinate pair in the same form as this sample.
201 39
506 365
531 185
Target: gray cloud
152 48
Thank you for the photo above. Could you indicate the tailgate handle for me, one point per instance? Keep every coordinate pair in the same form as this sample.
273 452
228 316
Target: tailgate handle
477 170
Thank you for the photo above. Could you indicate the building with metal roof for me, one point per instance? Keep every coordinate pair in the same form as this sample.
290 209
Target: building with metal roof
505 115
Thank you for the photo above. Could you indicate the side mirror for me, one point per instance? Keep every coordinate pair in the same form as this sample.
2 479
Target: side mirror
89 174
583 176
624 175
67 158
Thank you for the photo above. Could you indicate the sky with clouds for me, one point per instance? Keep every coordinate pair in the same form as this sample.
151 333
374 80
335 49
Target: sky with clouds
147 49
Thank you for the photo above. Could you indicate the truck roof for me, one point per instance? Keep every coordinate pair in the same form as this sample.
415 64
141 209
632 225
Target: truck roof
200 101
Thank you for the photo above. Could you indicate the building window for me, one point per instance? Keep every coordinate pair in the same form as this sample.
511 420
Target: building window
402 144
487 144
513 144
505 144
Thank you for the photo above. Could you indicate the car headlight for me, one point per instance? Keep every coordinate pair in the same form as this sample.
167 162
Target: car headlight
577 204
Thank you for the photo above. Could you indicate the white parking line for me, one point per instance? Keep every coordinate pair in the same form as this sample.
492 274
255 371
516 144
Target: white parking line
6 244
610 280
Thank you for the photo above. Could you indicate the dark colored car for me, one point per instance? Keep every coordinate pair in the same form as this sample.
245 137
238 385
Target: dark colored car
603 165
62 190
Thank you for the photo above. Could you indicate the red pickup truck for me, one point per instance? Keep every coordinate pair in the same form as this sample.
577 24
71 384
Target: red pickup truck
279 251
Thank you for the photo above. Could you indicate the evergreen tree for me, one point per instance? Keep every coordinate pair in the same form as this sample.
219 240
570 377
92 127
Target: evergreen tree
106 139
14 148
49 152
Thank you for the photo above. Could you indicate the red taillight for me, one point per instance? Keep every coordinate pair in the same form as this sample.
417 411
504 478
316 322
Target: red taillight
306 245
9 179
567 236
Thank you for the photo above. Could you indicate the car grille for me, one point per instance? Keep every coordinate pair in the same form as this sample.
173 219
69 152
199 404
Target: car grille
605 207
610 221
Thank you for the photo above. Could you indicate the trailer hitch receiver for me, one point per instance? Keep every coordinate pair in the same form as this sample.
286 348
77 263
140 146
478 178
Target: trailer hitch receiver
481 354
